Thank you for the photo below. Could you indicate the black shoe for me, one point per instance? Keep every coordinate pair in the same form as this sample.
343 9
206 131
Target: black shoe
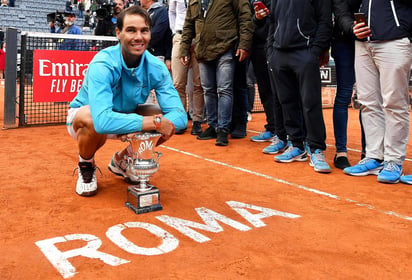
178 132
239 131
222 138
196 128
341 162
209 133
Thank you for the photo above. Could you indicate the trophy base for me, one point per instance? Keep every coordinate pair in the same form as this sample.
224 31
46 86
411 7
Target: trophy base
143 201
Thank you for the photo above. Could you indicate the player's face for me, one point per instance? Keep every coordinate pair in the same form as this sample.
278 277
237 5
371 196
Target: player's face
134 38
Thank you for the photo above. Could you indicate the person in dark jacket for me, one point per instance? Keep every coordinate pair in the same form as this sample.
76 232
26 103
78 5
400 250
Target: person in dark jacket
106 25
161 43
383 57
274 129
298 38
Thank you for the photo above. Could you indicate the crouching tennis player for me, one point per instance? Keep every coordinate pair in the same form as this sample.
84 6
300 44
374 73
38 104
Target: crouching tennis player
118 79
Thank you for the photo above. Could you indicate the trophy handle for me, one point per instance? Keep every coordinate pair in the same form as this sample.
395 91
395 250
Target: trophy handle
158 155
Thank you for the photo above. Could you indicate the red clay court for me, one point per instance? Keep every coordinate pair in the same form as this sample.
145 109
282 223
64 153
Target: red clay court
228 213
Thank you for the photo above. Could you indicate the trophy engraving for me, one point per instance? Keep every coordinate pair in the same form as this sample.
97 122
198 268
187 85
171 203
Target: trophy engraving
144 162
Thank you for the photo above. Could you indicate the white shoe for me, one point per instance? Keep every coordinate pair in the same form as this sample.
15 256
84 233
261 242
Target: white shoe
249 116
86 182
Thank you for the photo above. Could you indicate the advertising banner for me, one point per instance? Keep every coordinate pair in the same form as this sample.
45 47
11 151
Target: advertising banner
58 75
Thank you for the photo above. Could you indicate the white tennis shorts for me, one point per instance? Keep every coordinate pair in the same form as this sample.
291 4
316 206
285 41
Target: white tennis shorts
71 113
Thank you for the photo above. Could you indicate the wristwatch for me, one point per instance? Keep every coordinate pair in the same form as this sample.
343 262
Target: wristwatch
157 121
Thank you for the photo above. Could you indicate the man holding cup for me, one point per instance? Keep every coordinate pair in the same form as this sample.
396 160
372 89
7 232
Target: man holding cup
118 79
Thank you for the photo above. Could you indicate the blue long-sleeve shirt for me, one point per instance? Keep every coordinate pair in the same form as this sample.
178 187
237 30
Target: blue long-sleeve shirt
113 92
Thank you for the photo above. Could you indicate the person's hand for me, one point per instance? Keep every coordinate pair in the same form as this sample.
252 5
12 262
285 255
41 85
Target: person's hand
361 30
261 13
242 54
167 129
184 60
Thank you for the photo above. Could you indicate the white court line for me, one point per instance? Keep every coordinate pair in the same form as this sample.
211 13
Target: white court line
336 197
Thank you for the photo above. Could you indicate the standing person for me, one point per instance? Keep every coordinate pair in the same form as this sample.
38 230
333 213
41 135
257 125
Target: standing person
161 43
69 6
383 58
223 32
80 6
106 25
86 25
274 129
296 50
177 14
118 79
71 28
343 53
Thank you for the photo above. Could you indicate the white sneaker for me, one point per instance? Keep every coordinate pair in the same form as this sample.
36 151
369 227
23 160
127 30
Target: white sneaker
86 182
249 116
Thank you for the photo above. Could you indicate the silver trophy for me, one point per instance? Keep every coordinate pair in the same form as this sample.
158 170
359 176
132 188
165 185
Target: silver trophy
144 162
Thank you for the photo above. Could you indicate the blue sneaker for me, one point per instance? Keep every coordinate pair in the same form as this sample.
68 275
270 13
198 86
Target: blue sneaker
277 146
364 167
391 173
317 160
265 136
406 179
292 154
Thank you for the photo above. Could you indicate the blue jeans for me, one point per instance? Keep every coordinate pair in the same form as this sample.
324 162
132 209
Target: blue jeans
343 53
216 77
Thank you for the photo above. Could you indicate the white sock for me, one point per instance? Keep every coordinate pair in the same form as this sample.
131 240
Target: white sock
86 160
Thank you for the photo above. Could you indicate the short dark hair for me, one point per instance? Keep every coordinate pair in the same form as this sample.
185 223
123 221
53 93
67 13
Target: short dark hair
133 10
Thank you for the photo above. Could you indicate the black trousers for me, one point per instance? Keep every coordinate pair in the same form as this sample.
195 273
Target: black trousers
267 93
297 79
240 95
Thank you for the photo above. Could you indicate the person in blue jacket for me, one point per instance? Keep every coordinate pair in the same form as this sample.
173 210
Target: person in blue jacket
73 29
118 79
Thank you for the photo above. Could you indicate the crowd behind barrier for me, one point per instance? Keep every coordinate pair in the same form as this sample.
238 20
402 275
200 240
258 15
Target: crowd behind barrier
30 15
